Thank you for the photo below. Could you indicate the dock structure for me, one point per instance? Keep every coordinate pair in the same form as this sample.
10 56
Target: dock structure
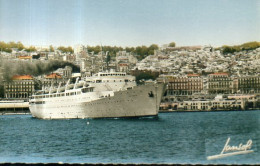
14 106
230 102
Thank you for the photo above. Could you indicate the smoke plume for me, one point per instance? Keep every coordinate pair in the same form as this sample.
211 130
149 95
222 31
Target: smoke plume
35 68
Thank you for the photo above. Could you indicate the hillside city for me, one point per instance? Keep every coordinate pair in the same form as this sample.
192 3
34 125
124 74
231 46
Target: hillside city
198 77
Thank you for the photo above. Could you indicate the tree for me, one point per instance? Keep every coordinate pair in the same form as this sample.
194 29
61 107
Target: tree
97 49
4 47
129 49
20 45
250 45
108 58
51 48
152 48
65 49
12 44
30 49
144 76
62 49
172 44
70 49
246 46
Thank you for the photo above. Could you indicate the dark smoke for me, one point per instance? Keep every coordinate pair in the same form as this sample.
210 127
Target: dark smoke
36 68
9 68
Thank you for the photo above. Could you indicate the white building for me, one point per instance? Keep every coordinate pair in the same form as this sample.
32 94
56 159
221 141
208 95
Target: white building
80 48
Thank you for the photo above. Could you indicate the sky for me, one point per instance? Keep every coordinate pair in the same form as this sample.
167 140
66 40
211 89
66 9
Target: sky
129 22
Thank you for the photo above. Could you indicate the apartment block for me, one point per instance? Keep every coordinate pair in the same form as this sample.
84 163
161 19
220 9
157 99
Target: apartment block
20 86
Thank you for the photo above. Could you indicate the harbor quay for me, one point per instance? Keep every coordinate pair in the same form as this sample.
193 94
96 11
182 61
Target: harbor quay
14 107
208 103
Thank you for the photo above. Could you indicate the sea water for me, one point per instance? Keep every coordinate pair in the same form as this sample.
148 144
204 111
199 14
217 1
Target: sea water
179 137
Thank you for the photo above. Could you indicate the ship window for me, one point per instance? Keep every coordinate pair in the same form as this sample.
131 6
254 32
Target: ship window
62 94
67 94
40 102
84 90
72 93
98 81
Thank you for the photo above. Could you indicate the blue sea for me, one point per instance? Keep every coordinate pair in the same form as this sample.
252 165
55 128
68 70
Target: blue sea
179 137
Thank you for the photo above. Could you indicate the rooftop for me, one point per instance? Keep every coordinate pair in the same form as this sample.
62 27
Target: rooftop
219 74
193 75
53 75
25 57
22 77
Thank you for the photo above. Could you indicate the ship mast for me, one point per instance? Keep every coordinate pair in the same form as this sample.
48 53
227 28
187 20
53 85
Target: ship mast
67 84
51 88
75 85
102 61
58 89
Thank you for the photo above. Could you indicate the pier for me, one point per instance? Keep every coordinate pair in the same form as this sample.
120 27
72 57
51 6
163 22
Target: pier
14 107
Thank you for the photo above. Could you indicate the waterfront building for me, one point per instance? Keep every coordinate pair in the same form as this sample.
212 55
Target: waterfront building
220 83
217 103
212 105
188 85
20 86
249 84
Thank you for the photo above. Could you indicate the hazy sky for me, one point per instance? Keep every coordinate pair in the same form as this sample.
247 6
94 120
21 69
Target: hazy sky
130 22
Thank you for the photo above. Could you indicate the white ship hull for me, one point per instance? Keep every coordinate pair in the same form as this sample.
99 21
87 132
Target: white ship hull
135 102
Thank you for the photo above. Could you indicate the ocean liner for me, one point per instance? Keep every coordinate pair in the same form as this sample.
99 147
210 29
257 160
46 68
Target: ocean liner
103 95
